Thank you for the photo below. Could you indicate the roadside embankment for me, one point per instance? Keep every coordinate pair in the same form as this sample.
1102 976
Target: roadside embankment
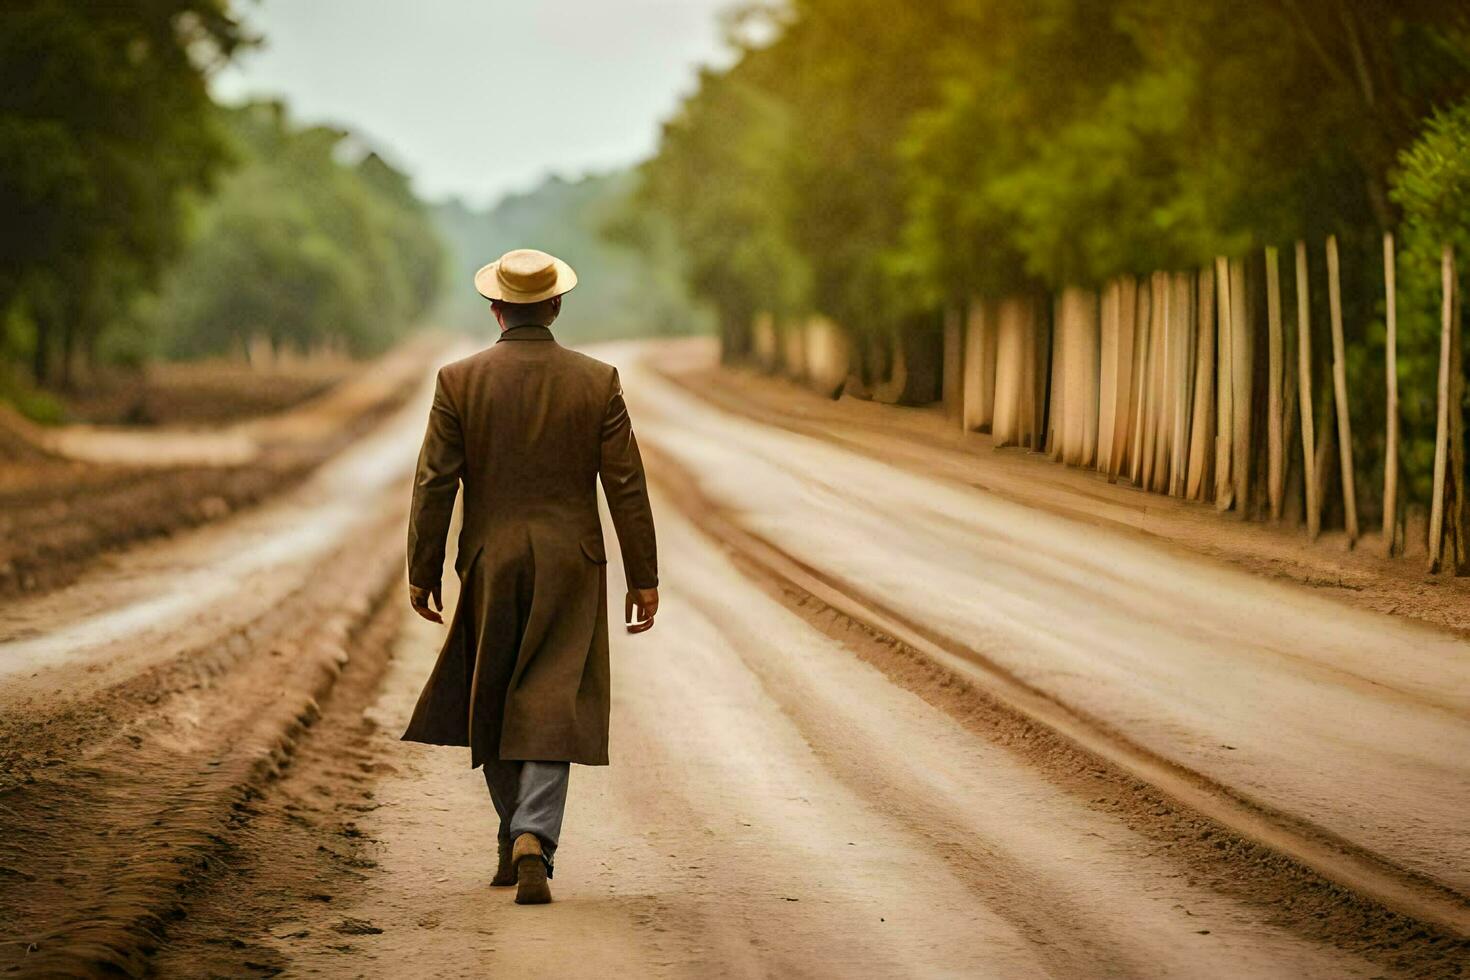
70 494
923 441
114 807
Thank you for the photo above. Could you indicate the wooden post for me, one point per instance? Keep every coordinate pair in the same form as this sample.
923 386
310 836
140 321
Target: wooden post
980 351
1275 456
1154 384
1182 324
1057 399
1304 392
1077 345
1107 379
1041 328
1202 435
1289 419
1242 377
1224 389
1091 368
1012 367
1391 439
952 365
1127 380
1142 312
1339 384
1457 519
1442 420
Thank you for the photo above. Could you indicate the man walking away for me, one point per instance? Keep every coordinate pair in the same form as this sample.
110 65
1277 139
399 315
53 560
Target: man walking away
528 427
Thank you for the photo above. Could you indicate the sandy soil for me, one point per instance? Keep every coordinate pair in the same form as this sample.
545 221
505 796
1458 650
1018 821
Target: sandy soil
776 807
146 705
1315 710
81 491
925 441
204 393
201 774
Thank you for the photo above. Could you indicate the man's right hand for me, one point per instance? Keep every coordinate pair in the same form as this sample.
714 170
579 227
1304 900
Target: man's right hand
645 601
420 598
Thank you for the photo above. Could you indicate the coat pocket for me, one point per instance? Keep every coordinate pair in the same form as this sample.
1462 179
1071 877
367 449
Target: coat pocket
592 548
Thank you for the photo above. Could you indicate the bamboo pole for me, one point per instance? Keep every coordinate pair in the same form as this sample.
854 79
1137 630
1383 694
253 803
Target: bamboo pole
1201 439
1275 461
1224 389
1339 384
1241 375
1304 368
1442 420
1391 438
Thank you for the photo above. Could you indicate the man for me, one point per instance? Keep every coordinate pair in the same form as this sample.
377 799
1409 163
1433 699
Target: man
527 427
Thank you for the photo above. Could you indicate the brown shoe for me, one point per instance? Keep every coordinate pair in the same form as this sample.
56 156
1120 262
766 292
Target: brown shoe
505 868
530 870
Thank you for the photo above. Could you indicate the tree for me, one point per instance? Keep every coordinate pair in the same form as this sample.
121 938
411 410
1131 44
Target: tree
106 130
300 248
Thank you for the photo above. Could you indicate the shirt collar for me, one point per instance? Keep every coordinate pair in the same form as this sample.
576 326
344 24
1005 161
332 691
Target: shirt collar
529 331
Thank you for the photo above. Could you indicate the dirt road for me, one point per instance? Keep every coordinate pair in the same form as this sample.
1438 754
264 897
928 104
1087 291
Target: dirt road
777 808
1304 705
792 795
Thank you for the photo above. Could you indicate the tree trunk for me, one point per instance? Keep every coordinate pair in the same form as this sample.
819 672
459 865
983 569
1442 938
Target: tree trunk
41 356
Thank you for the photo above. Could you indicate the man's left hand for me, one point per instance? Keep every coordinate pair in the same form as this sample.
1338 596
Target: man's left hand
420 598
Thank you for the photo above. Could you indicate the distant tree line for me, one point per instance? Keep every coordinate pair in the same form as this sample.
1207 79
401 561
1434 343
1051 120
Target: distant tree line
877 163
310 240
632 273
138 213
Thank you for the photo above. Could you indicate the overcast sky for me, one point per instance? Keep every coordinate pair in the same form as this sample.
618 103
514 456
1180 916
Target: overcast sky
479 97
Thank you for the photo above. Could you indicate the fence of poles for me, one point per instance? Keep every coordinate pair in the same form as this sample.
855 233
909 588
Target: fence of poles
1172 383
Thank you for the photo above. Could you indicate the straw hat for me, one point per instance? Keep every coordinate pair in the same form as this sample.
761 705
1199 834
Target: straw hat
525 276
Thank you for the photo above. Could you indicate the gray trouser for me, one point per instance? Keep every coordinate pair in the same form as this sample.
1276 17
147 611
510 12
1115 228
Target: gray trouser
530 798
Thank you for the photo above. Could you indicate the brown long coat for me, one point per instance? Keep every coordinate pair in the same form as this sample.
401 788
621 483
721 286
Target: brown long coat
527 426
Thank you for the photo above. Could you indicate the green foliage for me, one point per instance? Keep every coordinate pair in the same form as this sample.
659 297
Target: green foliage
630 273
31 402
935 150
874 161
1432 187
301 248
724 199
106 128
